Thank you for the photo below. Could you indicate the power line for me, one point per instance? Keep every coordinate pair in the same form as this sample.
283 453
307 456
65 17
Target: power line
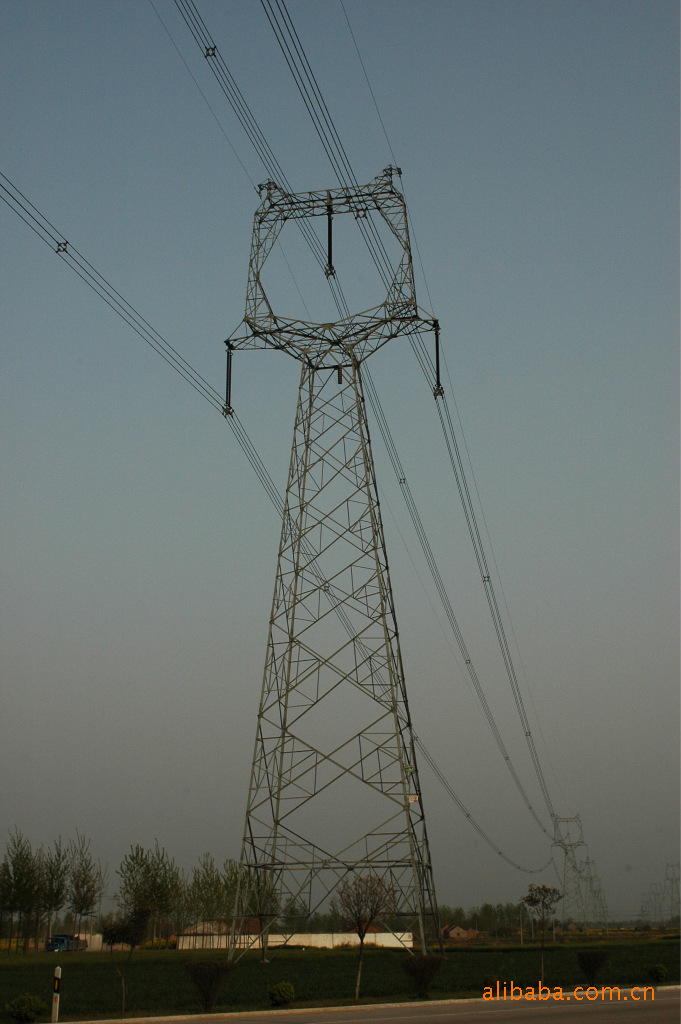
48 233
424 360
469 817
300 67
359 55
57 242
248 122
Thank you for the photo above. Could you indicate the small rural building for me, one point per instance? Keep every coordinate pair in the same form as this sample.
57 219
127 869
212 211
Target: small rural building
455 932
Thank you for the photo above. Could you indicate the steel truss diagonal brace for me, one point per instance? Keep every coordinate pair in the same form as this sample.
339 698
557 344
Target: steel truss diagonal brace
334 784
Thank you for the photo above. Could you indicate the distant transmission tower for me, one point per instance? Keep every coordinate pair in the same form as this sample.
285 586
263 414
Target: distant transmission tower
568 838
596 909
656 902
334 790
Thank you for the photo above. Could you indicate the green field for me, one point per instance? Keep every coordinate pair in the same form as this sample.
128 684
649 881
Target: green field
158 982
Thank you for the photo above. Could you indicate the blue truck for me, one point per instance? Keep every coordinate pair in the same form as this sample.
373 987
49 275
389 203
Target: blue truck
64 943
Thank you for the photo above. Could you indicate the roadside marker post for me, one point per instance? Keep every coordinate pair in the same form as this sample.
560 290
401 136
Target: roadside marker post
55 995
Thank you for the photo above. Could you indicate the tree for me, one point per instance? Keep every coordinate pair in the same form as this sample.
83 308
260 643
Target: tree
231 873
6 896
452 915
358 903
129 931
22 882
293 913
135 875
55 880
540 901
181 910
86 880
258 897
208 977
165 878
207 890
150 881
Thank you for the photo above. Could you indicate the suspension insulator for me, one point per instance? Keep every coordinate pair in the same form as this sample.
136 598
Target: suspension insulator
329 270
438 390
227 407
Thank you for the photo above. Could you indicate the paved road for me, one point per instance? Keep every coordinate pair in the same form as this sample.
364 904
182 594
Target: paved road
664 1009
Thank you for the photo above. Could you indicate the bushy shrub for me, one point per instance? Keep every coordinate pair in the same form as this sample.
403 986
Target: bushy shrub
421 971
490 981
282 993
208 977
657 973
590 962
26 1008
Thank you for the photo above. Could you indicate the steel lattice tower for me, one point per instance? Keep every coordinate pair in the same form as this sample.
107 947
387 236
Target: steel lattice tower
568 837
334 783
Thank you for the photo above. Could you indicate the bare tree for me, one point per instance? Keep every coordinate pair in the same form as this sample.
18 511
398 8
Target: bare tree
540 901
358 903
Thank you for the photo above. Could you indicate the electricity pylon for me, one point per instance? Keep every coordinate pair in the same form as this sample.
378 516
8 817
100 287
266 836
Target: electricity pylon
596 909
568 837
334 789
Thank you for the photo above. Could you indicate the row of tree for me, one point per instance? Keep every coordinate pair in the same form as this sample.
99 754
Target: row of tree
495 919
38 885
35 885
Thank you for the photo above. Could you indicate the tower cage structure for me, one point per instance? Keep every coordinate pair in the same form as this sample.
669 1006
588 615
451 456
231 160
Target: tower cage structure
334 791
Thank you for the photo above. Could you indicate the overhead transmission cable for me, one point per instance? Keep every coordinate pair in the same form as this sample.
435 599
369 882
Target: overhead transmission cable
48 233
57 242
290 47
478 828
442 591
299 65
424 363
242 111
366 76
498 573
304 77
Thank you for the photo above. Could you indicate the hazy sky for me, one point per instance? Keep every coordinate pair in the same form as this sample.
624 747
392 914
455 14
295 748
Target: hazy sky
539 147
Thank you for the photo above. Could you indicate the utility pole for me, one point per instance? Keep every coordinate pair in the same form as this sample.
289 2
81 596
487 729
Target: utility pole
334 790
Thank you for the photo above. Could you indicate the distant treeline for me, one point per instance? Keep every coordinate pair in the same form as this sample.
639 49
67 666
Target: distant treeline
61 888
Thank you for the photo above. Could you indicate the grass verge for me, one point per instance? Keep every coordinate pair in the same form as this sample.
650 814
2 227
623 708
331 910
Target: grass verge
158 982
